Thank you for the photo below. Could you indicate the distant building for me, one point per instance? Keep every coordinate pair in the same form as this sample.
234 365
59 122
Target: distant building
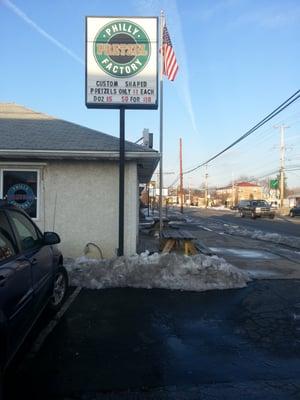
247 191
232 194
66 177
294 200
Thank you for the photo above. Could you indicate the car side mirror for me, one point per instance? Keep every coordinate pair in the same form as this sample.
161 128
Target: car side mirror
51 238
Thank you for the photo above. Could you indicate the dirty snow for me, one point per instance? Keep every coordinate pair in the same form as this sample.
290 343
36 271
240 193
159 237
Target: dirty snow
167 271
292 241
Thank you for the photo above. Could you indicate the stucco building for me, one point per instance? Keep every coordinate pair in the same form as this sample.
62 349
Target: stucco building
232 194
67 178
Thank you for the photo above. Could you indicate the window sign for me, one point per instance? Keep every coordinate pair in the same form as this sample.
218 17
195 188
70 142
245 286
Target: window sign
121 62
20 189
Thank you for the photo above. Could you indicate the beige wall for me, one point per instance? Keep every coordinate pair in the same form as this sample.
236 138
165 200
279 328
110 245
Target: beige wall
82 205
241 193
80 201
246 193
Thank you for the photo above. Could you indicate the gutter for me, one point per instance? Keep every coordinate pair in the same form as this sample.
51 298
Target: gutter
71 154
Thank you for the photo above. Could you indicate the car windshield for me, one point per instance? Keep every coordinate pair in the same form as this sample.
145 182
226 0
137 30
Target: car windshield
260 203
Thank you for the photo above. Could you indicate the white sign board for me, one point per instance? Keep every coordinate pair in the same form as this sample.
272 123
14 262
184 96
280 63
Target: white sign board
153 192
121 62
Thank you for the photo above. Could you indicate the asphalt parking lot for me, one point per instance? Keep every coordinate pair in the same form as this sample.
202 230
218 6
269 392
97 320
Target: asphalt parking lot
162 344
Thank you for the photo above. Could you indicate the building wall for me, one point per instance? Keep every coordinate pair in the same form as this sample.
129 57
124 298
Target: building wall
80 201
82 204
241 193
248 192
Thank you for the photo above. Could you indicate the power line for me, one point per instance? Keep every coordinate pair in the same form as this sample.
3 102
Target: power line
295 174
275 112
175 181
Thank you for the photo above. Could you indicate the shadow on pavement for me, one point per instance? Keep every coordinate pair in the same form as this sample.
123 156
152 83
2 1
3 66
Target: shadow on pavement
161 344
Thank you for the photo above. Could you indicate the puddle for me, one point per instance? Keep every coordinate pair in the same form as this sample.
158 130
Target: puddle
255 254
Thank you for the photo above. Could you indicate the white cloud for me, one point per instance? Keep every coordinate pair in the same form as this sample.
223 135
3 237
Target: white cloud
40 30
173 20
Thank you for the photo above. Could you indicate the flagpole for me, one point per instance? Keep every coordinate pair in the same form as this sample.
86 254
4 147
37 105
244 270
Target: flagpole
161 124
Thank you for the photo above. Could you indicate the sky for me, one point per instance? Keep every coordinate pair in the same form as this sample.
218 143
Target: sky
238 60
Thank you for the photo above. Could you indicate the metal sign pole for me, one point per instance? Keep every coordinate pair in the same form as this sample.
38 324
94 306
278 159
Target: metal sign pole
121 182
161 125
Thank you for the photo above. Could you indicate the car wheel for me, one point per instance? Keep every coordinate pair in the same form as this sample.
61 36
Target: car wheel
271 216
253 216
60 287
1 384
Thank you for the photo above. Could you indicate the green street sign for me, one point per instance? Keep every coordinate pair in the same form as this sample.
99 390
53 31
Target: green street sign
274 184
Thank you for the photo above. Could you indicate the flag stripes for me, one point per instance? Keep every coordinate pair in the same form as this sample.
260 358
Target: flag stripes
170 64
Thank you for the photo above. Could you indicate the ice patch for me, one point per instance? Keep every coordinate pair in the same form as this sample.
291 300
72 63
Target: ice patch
167 271
263 274
245 253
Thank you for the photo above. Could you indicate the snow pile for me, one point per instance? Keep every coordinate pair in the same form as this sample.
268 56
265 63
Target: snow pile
152 213
168 271
292 241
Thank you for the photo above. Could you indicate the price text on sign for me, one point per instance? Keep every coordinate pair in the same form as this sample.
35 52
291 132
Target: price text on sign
121 62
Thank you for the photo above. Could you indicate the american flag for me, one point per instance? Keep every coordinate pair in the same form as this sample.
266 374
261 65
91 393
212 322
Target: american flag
170 63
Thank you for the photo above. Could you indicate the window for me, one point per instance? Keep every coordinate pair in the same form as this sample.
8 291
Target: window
7 243
261 204
26 231
20 188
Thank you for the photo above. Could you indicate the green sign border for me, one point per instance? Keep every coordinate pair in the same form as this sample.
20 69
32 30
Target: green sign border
144 39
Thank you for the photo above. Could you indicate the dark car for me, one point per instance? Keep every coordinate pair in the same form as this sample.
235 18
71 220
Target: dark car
32 276
295 211
240 205
257 208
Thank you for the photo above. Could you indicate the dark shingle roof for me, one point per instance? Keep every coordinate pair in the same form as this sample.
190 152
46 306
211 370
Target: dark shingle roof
24 129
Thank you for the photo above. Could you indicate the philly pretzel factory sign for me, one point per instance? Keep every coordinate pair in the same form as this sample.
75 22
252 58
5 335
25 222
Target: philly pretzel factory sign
121 62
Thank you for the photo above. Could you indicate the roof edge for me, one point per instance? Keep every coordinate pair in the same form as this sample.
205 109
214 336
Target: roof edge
85 154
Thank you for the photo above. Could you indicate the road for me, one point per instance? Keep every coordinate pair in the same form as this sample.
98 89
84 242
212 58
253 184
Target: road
265 248
138 344
280 225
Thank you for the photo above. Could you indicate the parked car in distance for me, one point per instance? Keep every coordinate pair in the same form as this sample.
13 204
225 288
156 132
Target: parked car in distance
295 211
32 277
257 208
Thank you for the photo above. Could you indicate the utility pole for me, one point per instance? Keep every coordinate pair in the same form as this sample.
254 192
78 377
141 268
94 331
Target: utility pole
181 175
232 189
282 162
206 187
